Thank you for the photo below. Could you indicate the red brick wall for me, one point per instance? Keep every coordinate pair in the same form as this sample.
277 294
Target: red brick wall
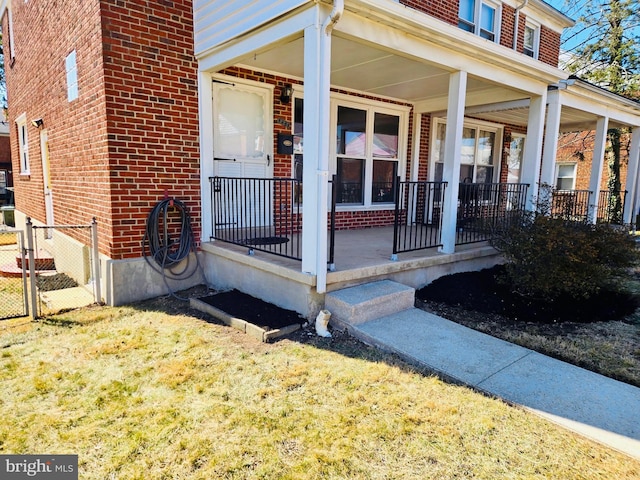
45 32
447 11
577 147
152 110
549 46
507 26
442 9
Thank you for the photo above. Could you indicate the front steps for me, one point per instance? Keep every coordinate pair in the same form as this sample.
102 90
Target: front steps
362 303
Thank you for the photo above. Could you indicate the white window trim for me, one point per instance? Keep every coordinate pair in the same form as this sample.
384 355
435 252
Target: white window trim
23 144
372 107
72 76
478 125
573 177
477 17
536 38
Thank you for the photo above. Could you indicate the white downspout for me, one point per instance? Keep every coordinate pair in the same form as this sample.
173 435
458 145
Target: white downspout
334 16
323 161
516 22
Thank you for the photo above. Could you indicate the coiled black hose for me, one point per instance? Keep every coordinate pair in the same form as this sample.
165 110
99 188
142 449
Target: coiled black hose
166 252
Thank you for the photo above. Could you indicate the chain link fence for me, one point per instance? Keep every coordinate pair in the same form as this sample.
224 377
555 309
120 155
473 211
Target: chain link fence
48 269
63 267
13 278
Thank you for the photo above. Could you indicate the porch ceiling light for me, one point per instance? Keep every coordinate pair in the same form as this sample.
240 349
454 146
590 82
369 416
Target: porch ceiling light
285 95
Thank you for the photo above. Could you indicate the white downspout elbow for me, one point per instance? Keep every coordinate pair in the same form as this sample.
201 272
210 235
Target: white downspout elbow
334 16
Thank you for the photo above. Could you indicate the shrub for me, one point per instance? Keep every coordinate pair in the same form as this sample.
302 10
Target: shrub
551 258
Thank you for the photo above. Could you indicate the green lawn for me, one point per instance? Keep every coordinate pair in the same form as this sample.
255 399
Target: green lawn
153 391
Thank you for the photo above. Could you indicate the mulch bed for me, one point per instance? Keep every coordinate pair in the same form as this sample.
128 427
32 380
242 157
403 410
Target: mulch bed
484 292
253 310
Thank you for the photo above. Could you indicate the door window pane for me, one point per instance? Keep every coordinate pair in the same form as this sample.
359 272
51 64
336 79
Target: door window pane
516 150
351 132
350 180
384 174
385 135
240 124
486 142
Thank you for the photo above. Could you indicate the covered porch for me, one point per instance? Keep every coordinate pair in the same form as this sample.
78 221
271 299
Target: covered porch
386 60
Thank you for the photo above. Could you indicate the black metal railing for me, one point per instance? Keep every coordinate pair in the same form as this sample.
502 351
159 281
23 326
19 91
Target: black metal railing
611 206
418 215
485 208
572 205
258 213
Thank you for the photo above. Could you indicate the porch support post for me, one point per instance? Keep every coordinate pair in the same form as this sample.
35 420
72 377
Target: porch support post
317 63
452 154
596 166
550 148
533 148
631 186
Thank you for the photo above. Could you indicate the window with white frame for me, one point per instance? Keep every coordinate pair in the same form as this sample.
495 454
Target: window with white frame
566 176
23 143
480 17
72 76
531 39
479 155
368 148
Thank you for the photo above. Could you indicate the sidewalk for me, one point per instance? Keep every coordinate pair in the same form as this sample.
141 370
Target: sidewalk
595 406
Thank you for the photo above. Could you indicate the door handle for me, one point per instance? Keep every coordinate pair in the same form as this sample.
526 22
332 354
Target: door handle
268 160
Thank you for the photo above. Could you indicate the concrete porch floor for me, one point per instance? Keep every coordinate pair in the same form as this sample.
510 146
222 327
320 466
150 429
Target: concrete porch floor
361 256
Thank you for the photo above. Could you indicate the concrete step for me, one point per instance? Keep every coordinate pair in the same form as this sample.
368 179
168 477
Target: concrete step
359 304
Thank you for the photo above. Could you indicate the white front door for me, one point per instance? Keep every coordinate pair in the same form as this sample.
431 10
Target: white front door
242 131
46 174
243 144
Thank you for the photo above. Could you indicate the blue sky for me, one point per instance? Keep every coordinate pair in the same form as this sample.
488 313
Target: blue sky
572 9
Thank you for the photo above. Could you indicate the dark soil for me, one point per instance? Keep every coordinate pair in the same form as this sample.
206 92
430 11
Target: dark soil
486 292
253 310
58 281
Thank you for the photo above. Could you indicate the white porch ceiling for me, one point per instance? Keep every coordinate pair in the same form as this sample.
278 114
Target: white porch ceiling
364 68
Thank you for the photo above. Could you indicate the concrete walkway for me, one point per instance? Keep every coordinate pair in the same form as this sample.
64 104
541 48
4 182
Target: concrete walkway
598 407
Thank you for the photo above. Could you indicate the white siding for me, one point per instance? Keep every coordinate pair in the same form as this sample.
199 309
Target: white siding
218 21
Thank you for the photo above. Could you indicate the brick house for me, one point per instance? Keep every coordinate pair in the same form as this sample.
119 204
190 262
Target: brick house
388 112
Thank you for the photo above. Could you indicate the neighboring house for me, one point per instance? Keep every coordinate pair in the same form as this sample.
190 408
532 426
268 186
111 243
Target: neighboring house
138 100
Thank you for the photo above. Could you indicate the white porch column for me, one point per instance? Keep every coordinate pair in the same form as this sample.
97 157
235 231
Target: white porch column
533 148
452 155
550 148
632 184
317 62
205 107
597 163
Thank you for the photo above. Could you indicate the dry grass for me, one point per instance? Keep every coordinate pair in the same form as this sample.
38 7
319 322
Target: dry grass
151 393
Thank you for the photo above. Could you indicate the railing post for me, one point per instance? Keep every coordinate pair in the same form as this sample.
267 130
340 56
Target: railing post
32 269
332 223
96 261
396 221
